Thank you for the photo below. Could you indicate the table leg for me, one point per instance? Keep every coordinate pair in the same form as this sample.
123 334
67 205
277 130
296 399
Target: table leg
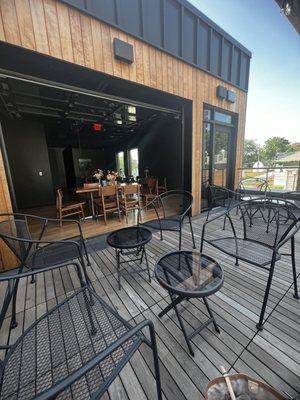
92 204
146 259
174 305
178 300
211 315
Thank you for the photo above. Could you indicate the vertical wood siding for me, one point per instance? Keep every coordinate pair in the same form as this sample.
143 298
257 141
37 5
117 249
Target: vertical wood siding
53 28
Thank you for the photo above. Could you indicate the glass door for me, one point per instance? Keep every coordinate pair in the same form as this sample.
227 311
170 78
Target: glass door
218 150
220 167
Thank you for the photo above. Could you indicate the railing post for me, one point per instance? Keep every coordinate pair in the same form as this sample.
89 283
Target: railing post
298 178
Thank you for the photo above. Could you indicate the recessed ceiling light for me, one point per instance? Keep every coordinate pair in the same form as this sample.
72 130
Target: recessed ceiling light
131 109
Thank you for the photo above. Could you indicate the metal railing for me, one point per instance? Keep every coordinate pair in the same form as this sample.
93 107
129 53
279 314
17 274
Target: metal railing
280 179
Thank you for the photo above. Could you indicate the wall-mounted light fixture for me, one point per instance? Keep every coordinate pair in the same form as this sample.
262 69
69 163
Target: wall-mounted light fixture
224 94
221 92
123 51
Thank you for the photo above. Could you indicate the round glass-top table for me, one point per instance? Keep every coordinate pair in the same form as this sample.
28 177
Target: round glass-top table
127 242
185 275
129 238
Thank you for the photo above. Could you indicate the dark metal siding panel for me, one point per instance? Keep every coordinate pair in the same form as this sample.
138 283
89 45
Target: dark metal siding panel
173 27
77 3
152 21
226 60
189 38
235 67
215 53
203 45
129 16
244 71
104 9
178 28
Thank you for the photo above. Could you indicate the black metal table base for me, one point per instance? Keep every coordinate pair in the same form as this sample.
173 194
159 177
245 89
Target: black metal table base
188 337
139 252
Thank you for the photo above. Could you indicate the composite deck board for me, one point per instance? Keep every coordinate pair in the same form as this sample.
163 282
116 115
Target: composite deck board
271 355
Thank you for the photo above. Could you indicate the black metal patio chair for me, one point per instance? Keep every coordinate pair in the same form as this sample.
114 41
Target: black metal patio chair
253 188
74 351
171 208
37 252
257 236
220 196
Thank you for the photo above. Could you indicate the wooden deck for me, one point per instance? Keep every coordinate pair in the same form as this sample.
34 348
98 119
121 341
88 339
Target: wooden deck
272 355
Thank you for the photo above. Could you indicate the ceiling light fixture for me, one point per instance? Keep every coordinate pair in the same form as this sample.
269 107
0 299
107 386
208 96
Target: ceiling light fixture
131 109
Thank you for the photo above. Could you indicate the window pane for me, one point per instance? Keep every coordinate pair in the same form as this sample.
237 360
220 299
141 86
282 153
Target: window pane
207 114
120 163
134 162
221 117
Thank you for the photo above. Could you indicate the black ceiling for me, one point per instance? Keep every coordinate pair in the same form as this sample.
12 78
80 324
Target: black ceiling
70 117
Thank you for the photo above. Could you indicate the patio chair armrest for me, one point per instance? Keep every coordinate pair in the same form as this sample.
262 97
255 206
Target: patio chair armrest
10 277
67 382
289 236
152 203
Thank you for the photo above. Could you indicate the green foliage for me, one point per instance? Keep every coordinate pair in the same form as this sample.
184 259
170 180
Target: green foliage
273 147
251 152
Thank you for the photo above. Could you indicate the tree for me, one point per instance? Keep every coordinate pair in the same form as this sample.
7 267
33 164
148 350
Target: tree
251 152
273 147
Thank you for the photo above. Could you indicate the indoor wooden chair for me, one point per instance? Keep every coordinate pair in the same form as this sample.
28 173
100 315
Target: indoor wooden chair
64 210
108 202
150 191
163 187
131 199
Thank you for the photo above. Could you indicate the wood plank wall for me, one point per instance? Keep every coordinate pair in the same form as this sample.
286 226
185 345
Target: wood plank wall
52 28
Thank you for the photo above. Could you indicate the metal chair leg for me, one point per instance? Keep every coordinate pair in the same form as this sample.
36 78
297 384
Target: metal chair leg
192 232
259 325
14 322
161 235
118 269
86 253
180 235
156 361
296 295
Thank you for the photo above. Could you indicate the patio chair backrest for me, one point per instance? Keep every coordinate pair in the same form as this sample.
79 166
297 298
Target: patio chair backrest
176 203
268 222
15 233
259 185
219 195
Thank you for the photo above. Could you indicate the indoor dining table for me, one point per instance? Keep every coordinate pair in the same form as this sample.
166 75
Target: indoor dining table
90 191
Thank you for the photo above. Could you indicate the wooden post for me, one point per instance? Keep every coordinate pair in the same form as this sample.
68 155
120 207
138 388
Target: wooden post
7 258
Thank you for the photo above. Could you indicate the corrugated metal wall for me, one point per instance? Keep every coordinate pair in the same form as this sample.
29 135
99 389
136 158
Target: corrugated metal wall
179 29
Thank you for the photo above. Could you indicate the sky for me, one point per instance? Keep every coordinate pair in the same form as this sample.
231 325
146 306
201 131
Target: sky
273 107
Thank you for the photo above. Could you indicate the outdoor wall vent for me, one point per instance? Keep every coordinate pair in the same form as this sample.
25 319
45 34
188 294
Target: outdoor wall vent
221 92
123 51
231 96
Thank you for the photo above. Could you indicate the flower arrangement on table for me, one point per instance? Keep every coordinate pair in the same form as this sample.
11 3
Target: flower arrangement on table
98 175
111 177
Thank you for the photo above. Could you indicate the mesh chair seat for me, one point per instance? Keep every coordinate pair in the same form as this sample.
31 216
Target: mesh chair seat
257 253
54 253
62 342
166 224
